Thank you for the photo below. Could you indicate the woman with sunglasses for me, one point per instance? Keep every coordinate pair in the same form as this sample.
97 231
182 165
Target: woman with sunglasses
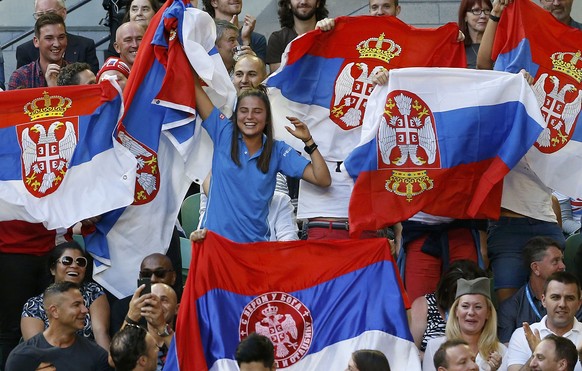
68 263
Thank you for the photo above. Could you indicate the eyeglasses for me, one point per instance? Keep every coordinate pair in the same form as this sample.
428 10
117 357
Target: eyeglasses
68 260
160 273
37 15
479 11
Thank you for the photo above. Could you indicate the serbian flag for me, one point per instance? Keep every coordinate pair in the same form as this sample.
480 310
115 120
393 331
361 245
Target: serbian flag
317 301
59 163
325 78
554 58
159 128
439 140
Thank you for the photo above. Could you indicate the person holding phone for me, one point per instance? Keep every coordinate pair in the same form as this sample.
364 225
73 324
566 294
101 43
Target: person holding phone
157 304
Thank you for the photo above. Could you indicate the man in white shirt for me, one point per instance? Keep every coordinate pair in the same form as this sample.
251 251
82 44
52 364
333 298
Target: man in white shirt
561 298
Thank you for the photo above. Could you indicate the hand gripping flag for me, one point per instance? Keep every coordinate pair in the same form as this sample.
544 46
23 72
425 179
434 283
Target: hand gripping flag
59 161
439 140
317 302
326 77
554 58
159 128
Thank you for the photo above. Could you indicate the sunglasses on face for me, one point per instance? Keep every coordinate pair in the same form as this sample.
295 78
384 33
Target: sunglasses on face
160 273
81 261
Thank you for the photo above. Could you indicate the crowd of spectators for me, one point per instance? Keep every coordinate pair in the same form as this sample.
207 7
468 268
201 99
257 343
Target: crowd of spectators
516 310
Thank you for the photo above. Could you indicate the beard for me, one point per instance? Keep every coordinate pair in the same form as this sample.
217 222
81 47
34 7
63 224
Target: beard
303 16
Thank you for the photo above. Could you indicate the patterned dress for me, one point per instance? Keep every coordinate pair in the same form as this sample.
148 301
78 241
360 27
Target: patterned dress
90 290
435 324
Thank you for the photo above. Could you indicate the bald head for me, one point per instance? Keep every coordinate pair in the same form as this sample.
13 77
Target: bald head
249 72
127 40
50 6
159 268
168 298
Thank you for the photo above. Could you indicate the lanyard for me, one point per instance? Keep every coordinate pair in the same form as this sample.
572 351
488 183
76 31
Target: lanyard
531 303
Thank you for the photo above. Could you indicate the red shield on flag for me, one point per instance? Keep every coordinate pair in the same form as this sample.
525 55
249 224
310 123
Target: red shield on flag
148 172
47 148
407 144
560 101
407 135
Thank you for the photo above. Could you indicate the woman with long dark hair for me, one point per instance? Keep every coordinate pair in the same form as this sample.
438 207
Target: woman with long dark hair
245 163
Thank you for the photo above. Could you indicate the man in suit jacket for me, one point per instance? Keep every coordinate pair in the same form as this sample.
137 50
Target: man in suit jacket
79 48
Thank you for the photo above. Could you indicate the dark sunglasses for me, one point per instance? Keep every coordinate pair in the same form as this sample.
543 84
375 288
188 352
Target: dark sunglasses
68 260
160 273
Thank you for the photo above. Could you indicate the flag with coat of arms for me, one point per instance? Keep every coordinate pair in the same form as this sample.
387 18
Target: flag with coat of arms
59 161
160 129
554 58
325 78
439 140
317 302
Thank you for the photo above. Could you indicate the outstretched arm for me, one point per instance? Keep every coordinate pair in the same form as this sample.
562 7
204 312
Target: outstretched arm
484 57
316 172
203 104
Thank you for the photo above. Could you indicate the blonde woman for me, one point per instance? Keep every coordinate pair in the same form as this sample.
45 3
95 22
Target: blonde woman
472 318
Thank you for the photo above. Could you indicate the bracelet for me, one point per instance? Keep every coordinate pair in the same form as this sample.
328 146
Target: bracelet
130 321
310 149
305 141
493 18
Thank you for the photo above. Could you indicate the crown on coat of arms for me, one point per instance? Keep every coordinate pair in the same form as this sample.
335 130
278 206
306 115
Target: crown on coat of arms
568 64
47 106
270 311
384 49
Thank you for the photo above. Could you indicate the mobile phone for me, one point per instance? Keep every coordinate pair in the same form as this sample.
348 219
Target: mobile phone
147 281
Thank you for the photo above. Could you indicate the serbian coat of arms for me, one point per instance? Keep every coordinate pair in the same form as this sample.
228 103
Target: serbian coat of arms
559 100
407 144
354 82
47 142
282 318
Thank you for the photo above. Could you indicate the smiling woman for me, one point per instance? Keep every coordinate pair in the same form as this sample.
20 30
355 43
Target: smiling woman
472 318
245 163
68 263
141 11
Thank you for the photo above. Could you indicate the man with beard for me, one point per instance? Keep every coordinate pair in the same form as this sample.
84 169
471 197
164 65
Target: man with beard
68 350
296 17
229 10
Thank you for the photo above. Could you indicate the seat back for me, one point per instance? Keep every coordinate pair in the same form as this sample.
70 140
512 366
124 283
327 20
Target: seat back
190 213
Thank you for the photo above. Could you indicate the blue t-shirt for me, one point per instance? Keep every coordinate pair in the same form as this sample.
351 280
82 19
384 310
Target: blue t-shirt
239 196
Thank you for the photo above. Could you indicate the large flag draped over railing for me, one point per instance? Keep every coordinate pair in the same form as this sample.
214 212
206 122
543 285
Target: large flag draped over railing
159 128
317 301
326 77
531 38
59 161
439 140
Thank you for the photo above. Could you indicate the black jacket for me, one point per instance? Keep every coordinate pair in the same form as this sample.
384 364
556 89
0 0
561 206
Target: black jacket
79 49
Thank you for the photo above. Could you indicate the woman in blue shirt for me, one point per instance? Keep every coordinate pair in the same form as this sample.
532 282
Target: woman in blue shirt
245 164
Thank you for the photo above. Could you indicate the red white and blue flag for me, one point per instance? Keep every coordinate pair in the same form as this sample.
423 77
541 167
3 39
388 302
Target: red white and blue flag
160 129
439 140
325 78
317 301
59 161
554 58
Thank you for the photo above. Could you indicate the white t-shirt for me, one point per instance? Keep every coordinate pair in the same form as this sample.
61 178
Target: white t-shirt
518 352
433 345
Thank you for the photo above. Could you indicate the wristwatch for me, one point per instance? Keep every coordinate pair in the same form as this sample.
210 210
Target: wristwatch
167 331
